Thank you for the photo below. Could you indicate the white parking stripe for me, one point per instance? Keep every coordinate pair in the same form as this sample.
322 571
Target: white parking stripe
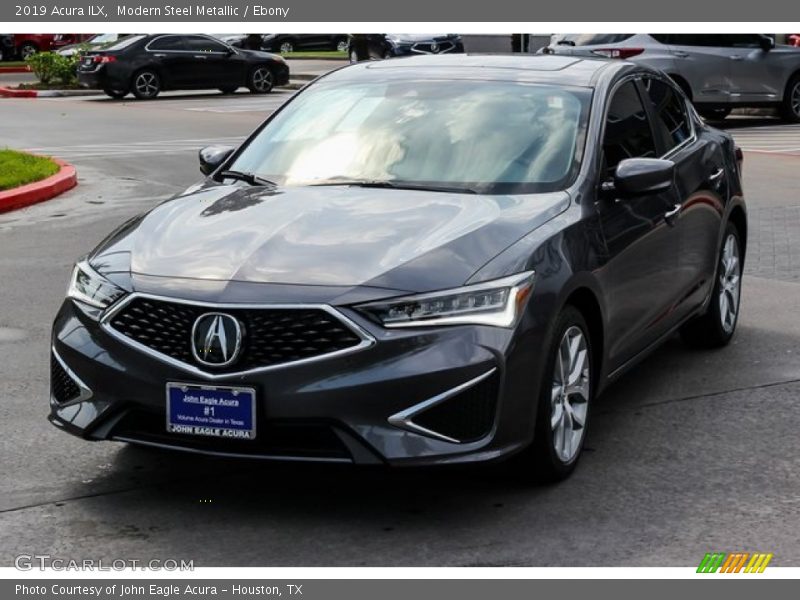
131 148
770 139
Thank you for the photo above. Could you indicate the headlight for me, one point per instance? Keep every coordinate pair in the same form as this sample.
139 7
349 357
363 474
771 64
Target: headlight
498 303
88 287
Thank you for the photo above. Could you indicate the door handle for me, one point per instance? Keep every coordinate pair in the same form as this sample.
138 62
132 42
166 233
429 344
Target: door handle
160 55
681 54
200 56
716 174
736 57
671 215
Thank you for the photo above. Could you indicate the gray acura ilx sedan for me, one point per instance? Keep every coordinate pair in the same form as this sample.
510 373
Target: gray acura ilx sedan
422 261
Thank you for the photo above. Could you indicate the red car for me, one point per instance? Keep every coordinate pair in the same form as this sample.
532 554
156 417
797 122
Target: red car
26 44
794 40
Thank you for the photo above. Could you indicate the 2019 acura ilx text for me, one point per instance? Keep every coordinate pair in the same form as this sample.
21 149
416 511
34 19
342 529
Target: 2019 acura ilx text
423 261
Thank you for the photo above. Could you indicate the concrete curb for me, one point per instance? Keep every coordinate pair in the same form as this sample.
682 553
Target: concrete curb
15 93
25 69
39 191
11 93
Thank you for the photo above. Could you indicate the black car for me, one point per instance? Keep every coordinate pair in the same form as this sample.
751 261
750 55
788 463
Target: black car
144 65
437 260
375 46
287 42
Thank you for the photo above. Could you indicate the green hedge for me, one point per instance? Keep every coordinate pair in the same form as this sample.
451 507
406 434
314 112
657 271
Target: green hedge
50 67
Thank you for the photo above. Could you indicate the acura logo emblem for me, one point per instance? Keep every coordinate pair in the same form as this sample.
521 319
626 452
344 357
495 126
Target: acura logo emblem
216 339
434 47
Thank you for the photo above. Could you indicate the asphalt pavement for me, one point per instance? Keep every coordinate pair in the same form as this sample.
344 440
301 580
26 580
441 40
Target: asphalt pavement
691 452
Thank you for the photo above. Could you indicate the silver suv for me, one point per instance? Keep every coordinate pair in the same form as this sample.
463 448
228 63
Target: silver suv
718 72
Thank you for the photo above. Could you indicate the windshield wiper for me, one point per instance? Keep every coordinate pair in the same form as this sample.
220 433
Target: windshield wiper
250 178
395 185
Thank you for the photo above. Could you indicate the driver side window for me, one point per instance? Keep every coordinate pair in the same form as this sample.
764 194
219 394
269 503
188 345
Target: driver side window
628 133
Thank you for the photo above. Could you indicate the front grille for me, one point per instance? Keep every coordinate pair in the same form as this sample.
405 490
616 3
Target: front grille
271 336
465 417
62 386
273 439
427 47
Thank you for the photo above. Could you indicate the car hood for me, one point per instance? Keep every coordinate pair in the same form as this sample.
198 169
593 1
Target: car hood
325 236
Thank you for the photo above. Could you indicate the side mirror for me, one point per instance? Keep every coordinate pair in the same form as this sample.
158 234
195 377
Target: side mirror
766 42
211 157
640 176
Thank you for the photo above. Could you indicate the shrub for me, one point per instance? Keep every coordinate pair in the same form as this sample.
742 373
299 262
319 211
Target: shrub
50 67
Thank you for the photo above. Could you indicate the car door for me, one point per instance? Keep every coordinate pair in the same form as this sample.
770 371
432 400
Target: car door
171 58
212 66
697 196
705 65
642 247
756 74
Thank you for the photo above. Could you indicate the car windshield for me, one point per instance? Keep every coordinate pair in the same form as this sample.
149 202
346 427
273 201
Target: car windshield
481 136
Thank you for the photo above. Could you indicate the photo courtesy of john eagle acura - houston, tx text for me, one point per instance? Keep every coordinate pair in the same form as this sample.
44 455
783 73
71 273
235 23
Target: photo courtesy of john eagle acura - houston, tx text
422 261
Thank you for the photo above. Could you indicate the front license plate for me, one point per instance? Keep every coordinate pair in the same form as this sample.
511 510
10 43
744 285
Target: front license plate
228 412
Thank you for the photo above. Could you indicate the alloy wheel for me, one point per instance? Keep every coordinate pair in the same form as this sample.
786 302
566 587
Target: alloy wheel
146 84
342 46
286 47
569 401
262 79
729 283
27 51
794 99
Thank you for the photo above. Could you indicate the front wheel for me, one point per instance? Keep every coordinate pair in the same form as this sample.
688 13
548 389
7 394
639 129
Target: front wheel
27 49
260 80
790 108
342 45
716 327
287 47
564 399
146 85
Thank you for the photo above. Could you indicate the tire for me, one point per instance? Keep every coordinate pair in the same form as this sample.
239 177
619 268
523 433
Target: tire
716 327
27 49
714 114
286 47
116 94
146 84
341 45
559 436
790 107
260 80
228 89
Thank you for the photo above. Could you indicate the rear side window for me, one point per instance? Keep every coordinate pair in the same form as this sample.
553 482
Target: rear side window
690 39
198 43
628 133
592 39
168 42
669 108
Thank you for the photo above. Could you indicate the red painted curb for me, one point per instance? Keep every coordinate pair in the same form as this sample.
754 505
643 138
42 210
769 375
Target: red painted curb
39 191
9 93
25 69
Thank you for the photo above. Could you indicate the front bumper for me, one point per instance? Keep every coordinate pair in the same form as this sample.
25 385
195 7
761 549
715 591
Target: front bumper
397 401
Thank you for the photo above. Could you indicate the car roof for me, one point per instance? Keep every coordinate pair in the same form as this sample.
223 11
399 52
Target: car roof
528 68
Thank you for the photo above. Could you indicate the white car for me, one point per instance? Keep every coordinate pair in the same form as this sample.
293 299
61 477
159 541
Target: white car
718 72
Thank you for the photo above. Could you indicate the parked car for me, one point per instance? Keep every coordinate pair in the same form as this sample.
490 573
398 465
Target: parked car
293 42
794 40
144 65
97 42
287 42
26 44
718 72
438 260
374 46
